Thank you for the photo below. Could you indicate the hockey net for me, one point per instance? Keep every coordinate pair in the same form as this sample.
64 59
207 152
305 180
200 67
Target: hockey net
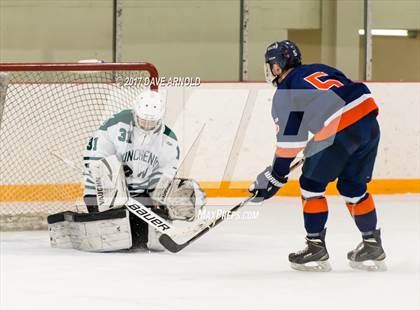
55 108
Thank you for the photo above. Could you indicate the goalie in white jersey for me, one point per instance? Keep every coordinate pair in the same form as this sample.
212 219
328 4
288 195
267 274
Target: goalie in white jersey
134 149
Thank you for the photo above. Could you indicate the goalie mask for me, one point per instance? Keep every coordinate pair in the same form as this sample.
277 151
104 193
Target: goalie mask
149 109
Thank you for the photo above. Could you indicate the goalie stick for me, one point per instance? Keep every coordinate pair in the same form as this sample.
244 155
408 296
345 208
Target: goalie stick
174 247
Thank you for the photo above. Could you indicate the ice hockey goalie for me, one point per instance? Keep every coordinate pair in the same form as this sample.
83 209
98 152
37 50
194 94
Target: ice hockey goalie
132 155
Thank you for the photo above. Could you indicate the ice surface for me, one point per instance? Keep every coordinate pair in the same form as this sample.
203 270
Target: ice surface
241 264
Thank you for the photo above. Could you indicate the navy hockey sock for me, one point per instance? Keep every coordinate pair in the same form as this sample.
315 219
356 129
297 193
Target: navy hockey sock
364 214
315 213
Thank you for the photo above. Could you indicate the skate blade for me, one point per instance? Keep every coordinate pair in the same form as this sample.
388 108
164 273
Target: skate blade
318 266
369 265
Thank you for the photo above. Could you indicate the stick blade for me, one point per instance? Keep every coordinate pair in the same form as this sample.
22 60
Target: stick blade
169 244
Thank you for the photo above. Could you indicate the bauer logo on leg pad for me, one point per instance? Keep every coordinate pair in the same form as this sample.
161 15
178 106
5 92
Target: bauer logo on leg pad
148 216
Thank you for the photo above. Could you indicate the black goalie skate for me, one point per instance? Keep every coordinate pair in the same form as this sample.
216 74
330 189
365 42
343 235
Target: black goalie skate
369 254
313 258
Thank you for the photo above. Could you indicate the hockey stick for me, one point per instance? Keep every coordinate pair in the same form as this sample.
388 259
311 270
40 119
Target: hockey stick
174 247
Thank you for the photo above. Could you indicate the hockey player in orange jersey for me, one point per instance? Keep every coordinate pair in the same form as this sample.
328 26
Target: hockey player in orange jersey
317 109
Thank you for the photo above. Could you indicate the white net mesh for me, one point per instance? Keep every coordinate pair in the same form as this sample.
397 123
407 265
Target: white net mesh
54 108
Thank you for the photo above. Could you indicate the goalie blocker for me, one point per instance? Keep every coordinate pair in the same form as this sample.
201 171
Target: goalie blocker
109 226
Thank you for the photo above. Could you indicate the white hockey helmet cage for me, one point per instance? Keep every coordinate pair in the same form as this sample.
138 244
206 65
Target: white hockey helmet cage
149 109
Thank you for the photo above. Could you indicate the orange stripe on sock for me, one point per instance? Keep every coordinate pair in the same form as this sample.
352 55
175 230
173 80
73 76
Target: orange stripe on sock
315 205
363 207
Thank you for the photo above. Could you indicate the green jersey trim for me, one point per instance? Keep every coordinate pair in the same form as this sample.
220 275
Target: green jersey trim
170 133
92 158
125 116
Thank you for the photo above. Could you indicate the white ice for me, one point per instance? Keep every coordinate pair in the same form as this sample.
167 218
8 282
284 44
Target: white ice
239 265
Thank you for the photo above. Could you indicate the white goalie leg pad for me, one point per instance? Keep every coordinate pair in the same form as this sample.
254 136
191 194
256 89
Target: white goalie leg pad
110 183
59 230
93 232
101 236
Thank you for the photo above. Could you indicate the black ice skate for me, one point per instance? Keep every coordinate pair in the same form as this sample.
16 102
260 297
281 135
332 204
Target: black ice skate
313 258
369 254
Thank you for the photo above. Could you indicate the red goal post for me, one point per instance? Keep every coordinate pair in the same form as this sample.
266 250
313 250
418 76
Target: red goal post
55 107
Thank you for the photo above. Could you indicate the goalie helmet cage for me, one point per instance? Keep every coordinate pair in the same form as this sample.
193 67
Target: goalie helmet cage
47 108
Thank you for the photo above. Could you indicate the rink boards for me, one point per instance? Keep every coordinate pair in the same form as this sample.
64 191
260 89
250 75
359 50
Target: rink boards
239 140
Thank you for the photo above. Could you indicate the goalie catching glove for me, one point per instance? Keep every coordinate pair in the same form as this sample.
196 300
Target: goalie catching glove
182 197
267 184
